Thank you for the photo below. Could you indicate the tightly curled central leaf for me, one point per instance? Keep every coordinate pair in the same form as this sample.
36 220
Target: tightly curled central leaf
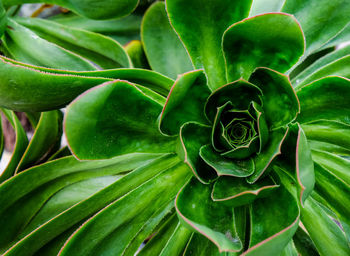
236 132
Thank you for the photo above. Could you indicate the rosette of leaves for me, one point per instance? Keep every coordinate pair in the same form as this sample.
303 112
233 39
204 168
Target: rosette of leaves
246 152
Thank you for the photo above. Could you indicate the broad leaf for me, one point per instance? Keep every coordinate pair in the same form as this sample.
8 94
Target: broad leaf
113 119
278 48
200 27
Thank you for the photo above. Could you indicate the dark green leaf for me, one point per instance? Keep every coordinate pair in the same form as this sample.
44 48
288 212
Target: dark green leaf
304 244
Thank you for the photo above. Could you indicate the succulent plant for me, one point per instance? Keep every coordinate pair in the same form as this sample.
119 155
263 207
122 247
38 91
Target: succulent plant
246 152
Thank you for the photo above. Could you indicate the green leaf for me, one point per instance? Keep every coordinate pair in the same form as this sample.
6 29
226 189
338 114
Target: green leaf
185 102
171 58
59 221
271 150
237 192
280 102
324 232
123 29
264 6
240 93
192 137
105 9
201 246
304 244
320 20
137 55
200 29
271 228
26 46
198 212
226 166
339 67
278 48
102 50
44 141
342 37
113 119
338 166
290 250
332 94
320 64
105 233
20 145
2 141
297 161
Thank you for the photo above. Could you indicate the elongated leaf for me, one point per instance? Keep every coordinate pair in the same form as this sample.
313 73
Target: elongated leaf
320 20
46 136
277 93
102 50
69 169
177 241
200 29
105 9
171 58
198 212
56 88
325 233
339 67
278 48
26 46
113 119
109 233
20 146
320 64
342 37
290 250
1 139
123 30
185 102
271 228
332 94
304 244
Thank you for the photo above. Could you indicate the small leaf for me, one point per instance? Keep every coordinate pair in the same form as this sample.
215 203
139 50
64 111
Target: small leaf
185 102
280 102
200 27
137 55
198 212
113 119
164 50
278 48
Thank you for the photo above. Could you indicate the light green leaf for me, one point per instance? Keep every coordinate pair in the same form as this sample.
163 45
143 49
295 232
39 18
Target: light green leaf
164 50
264 6
200 28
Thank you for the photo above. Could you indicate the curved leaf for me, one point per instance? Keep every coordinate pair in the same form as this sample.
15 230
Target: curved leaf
113 119
20 146
265 6
104 9
171 58
277 94
26 46
200 27
321 20
192 137
185 102
278 48
102 50
137 55
271 228
44 141
197 211
332 94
